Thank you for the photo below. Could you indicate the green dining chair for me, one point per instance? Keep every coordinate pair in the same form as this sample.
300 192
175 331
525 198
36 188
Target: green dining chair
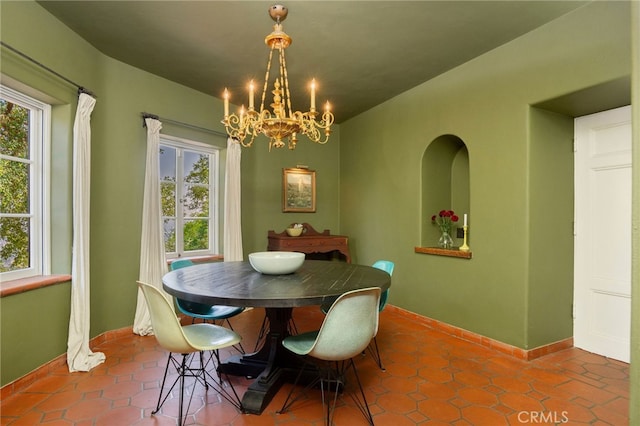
347 329
387 266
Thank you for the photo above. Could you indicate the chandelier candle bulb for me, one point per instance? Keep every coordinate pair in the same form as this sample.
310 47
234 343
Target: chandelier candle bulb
313 95
251 95
226 102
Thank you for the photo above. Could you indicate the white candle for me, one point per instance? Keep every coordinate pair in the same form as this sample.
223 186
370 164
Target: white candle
226 102
251 95
241 115
465 219
313 94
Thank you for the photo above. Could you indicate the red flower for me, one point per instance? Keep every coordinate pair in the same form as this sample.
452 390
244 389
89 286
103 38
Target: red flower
444 219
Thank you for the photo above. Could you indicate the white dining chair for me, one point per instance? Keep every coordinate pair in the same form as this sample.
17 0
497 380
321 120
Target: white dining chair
347 329
187 341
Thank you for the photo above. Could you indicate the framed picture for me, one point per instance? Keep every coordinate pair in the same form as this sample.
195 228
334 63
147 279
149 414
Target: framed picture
298 190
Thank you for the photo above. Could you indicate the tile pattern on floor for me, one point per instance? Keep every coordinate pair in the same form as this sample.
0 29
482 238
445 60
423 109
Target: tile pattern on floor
431 379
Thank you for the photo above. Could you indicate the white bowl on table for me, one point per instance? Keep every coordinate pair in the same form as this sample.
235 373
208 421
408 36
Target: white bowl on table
276 262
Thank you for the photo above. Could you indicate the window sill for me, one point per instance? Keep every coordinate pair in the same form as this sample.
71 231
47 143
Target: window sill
444 252
9 288
199 259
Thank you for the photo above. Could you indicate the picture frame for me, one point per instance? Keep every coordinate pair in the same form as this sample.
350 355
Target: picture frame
298 190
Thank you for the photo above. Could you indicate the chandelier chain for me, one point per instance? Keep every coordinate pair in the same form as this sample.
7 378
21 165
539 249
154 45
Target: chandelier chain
283 72
266 80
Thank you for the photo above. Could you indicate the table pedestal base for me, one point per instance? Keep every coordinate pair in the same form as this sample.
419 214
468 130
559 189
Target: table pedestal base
270 365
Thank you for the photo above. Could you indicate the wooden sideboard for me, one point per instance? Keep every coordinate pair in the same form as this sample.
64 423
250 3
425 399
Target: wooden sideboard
311 241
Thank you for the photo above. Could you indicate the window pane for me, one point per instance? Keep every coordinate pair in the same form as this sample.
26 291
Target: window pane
14 243
196 167
169 235
167 163
196 201
196 235
168 198
14 130
14 187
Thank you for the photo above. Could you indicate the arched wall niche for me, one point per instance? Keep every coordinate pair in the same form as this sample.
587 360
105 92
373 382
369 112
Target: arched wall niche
445 184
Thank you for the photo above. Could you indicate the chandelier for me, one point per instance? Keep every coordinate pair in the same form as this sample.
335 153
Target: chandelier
281 122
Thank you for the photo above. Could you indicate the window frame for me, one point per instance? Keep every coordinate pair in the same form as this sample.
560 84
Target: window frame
181 145
39 184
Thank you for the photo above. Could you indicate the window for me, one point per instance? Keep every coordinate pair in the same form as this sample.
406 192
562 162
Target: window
189 187
24 174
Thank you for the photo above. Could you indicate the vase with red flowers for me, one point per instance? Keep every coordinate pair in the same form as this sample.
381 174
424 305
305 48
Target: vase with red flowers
445 220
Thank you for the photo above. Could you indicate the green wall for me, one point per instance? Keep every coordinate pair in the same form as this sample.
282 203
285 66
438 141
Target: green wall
550 282
262 189
518 286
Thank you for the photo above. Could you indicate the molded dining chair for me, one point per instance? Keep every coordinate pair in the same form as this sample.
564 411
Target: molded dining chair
187 341
347 329
387 266
203 311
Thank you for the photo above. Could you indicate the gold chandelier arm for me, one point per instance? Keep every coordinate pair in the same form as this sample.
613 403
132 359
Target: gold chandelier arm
284 74
266 80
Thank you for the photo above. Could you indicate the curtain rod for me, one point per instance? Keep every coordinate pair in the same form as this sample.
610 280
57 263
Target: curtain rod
81 89
180 123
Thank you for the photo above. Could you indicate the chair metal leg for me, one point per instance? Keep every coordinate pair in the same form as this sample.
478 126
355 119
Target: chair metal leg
183 366
262 334
335 377
182 369
164 379
329 378
288 402
375 353
239 347
200 373
362 405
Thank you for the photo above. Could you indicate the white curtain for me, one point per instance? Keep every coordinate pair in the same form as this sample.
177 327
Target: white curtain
153 263
79 355
232 204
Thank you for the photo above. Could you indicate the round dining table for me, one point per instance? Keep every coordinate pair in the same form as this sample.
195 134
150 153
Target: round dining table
237 284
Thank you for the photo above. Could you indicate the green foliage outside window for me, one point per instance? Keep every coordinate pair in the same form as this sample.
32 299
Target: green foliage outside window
14 186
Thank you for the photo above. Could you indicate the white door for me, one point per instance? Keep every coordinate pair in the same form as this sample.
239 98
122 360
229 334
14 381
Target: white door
602 243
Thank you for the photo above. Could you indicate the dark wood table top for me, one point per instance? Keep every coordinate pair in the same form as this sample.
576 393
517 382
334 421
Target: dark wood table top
238 284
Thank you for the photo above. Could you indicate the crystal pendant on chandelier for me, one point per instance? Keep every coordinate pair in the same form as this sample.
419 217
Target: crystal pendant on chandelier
281 122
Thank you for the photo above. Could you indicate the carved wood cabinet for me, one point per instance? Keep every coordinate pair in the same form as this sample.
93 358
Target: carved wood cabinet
311 241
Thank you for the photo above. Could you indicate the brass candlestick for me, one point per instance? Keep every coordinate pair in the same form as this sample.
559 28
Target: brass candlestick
464 246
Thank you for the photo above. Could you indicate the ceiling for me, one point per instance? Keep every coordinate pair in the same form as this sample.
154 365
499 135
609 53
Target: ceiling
360 52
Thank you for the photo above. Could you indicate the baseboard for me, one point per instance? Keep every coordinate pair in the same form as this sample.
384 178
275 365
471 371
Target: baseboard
45 369
514 351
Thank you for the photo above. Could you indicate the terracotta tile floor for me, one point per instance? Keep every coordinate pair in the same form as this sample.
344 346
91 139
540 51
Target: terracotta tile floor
430 379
